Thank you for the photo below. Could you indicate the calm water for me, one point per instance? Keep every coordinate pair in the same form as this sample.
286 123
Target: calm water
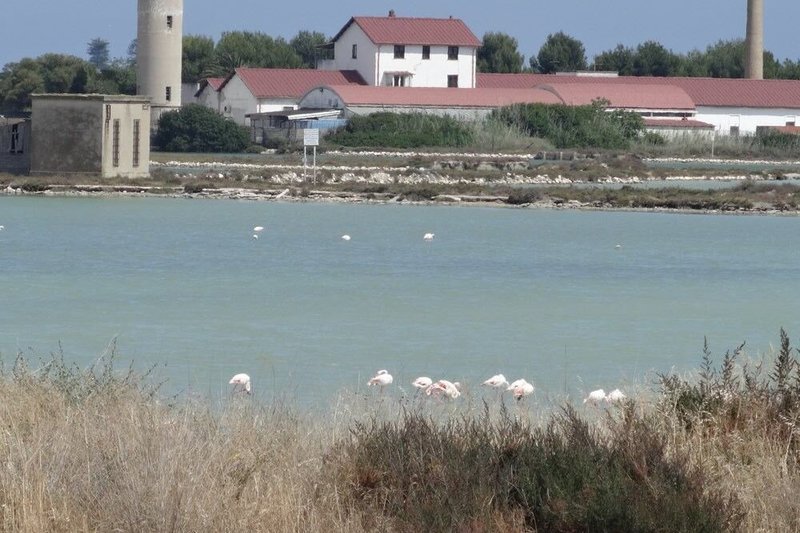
542 294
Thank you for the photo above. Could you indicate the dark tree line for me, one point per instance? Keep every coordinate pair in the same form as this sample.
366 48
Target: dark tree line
563 53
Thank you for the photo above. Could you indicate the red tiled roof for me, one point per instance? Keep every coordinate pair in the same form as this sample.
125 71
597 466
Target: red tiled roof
214 83
440 96
675 123
793 130
411 30
291 82
621 95
709 92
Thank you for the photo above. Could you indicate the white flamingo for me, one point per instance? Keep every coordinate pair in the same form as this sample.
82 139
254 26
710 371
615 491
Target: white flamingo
255 236
345 237
521 388
615 396
381 379
258 229
444 388
429 236
422 382
498 381
241 383
595 397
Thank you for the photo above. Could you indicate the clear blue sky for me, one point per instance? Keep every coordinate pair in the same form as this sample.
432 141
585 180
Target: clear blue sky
66 26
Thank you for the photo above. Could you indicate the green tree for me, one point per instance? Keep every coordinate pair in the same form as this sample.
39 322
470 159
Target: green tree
17 82
196 128
308 47
620 59
198 57
252 49
653 59
97 49
499 53
560 53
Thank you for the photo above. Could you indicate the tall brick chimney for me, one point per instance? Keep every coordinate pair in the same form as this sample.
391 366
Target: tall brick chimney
754 43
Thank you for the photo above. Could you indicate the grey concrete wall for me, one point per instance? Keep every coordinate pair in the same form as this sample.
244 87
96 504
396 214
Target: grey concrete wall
74 134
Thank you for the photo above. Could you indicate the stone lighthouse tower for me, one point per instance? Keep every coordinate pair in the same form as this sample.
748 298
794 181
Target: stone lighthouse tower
159 50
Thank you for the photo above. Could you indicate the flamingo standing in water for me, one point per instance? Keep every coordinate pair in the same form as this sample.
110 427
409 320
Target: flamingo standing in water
615 396
422 382
444 388
498 381
595 397
241 383
381 379
429 236
521 388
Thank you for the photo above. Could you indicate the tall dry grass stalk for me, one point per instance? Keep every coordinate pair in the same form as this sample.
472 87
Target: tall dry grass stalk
99 450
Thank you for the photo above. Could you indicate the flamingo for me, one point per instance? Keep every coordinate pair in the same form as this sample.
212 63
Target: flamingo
258 229
255 236
429 236
521 388
497 381
345 237
241 383
382 378
422 382
446 388
595 397
615 396
2 228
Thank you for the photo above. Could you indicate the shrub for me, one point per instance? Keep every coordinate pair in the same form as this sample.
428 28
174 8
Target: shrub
589 126
523 196
196 128
472 474
402 130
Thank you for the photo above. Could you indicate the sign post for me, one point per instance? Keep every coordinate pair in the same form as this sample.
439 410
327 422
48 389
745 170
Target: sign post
310 138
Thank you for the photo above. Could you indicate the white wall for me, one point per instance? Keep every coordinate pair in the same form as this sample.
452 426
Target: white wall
209 98
236 100
431 72
343 54
746 118
276 104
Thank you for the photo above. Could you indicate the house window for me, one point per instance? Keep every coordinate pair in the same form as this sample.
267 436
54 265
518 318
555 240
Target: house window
790 123
136 142
452 80
452 52
734 131
115 144
169 21
399 80
168 94
399 51
426 51
355 51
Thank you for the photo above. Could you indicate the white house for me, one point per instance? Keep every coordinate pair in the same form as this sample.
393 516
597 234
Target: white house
261 90
207 93
406 51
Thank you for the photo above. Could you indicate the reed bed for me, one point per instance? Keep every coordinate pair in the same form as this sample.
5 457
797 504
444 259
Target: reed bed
102 450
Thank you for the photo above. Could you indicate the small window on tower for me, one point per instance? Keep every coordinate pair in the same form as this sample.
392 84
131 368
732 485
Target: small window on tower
169 21
355 51
168 94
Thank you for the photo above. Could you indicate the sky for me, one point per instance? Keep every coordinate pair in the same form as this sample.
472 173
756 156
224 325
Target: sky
41 26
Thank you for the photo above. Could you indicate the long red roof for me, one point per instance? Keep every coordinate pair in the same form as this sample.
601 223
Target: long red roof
440 96
413 30
710 92
291 82
622 95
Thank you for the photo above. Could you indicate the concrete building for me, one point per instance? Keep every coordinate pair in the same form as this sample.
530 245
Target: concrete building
406 51
94 134
159 54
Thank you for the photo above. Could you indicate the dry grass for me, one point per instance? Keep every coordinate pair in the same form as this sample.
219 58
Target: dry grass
99 450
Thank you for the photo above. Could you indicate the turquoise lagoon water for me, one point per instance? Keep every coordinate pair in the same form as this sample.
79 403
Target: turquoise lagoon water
546 295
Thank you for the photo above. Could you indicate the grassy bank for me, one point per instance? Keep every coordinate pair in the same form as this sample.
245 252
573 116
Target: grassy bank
101 450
